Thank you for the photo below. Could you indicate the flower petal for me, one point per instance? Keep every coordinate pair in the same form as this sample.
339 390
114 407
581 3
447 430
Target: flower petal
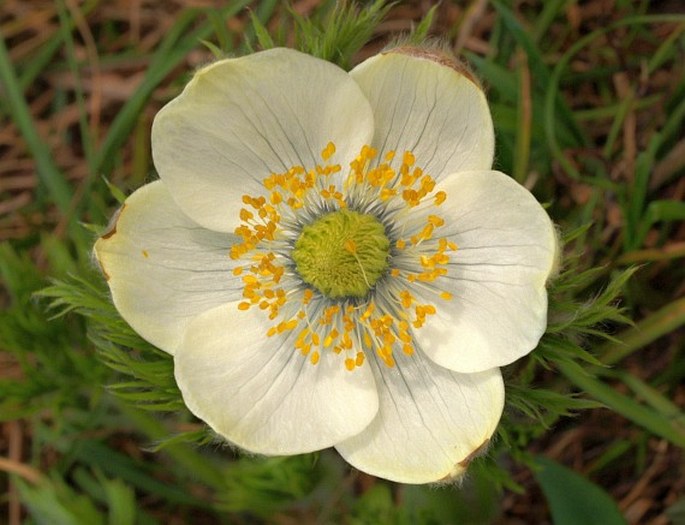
507 249
422 103
162 268
430 421
262 394
239 120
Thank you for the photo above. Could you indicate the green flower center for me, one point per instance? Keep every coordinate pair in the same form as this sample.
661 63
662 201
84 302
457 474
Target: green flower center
342 254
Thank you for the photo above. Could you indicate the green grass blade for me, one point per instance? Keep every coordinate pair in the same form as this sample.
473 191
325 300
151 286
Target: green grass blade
261 32
667 48
421 31
70 52
629 408
662 322
652 397
620 114
550 10
524 114
120 502
48 173
659 211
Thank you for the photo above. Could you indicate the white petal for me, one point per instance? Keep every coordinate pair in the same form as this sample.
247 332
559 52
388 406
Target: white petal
429 423
429 108
162 268
507 249
262 394
239 120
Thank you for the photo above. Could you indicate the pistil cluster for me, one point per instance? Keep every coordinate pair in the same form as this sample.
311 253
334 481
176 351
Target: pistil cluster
382 319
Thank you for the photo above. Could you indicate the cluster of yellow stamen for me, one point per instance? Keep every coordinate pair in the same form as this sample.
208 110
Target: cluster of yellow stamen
408 182
262 277
433 265
260 224
351 326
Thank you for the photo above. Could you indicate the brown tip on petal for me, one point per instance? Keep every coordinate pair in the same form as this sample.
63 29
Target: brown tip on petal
464 463
439 56
110 232
456 475
112 228
98 262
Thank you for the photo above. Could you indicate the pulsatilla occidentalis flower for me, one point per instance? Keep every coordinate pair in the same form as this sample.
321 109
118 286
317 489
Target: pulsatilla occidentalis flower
331 260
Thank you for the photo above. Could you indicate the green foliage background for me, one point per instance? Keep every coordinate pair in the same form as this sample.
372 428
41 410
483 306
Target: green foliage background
106 436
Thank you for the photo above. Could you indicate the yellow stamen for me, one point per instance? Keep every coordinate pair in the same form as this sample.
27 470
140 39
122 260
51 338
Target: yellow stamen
328 151
347 325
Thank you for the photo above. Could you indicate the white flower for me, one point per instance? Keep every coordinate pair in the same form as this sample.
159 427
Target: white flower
331 260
